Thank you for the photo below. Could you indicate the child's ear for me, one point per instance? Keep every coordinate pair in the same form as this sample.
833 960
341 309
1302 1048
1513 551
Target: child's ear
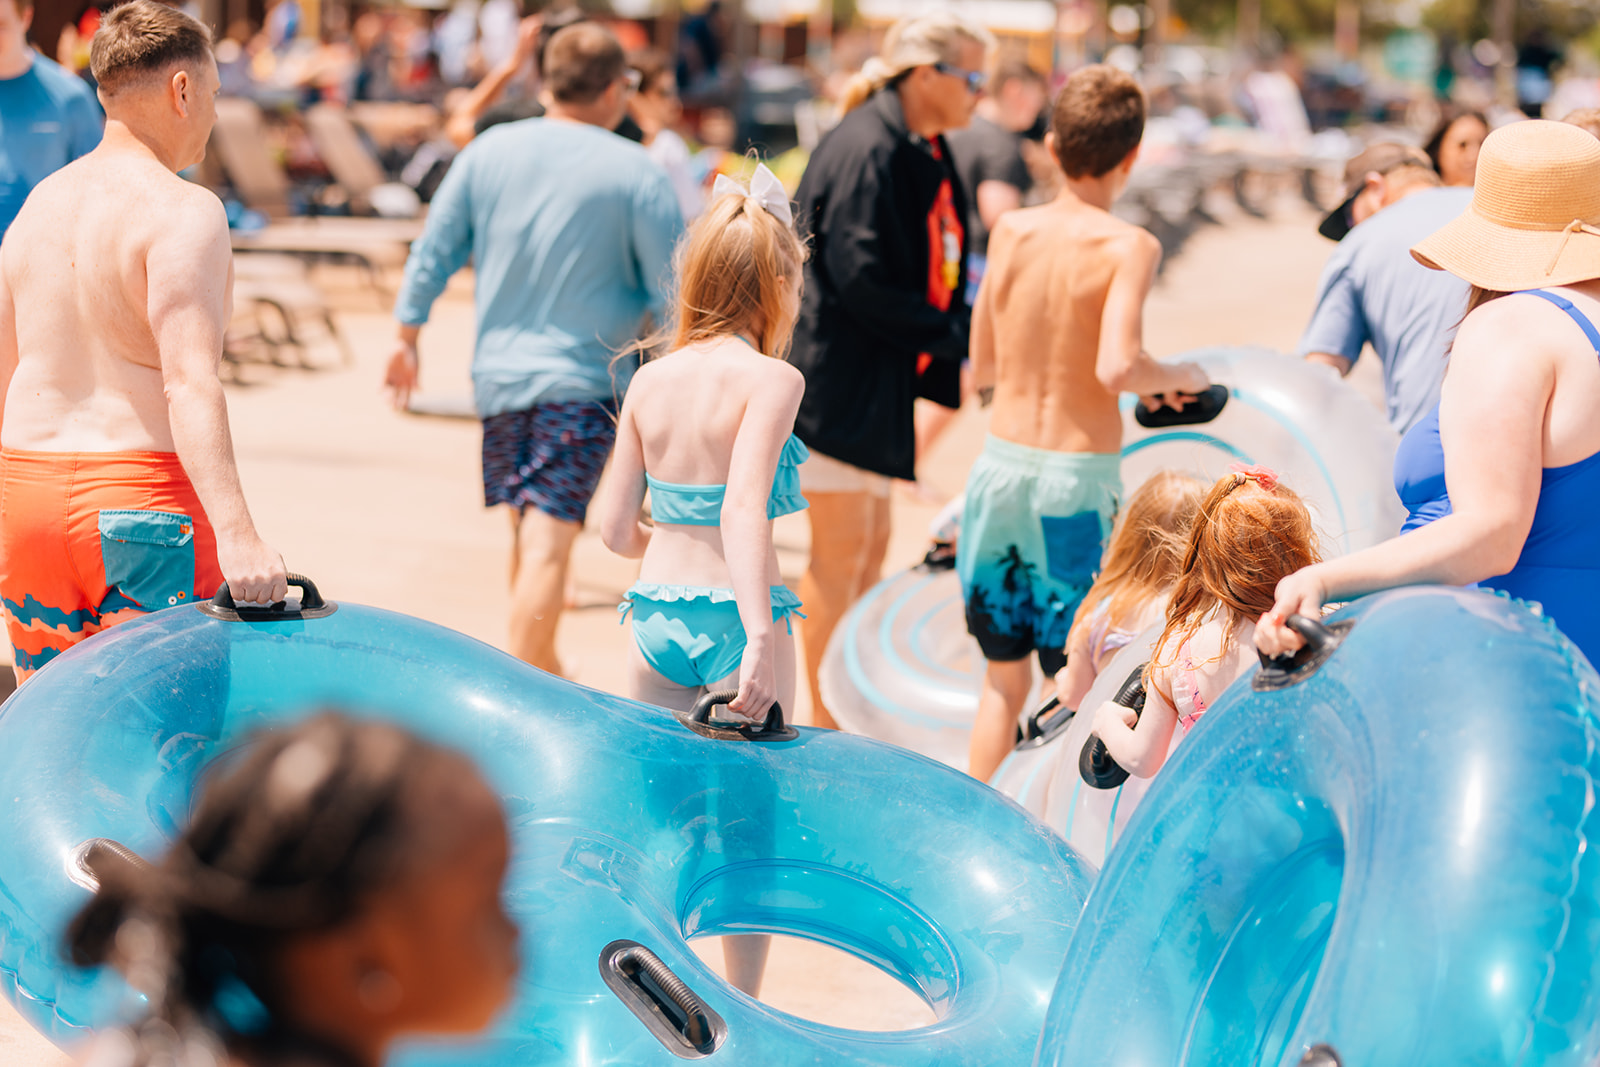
1130 159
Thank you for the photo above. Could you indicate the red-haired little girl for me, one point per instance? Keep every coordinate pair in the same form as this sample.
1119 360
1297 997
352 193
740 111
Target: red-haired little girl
1251 531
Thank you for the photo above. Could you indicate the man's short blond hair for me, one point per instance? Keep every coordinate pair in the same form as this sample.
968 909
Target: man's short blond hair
142 38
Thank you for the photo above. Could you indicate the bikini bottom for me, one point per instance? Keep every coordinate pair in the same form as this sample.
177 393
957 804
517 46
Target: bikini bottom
691 635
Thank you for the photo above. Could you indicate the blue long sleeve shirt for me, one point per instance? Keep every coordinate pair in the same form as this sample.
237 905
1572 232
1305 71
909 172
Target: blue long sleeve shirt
571 231
48 118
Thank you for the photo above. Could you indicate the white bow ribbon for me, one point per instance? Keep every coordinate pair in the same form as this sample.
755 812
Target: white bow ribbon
765 189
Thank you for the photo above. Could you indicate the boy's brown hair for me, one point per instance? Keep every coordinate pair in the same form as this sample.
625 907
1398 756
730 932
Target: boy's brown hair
141 38
1097 119
582 62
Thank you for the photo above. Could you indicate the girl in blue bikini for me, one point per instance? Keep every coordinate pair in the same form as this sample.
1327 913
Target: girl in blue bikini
707 429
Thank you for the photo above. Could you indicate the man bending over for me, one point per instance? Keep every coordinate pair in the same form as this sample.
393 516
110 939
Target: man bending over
117 480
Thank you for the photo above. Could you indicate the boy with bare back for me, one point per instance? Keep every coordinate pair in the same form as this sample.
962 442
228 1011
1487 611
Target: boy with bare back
118 489
1056 336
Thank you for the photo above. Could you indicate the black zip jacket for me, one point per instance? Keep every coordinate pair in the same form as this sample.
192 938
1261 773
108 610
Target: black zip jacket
865 317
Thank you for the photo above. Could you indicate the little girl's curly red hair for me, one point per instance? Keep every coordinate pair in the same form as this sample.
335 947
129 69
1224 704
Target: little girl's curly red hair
1251 531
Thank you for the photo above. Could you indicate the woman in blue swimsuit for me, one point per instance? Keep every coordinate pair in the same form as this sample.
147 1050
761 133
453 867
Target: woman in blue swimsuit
1503 480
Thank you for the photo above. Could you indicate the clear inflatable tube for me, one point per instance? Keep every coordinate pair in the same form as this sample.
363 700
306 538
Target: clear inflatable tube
1044 778
1387 859
627 827
900 666
1325 440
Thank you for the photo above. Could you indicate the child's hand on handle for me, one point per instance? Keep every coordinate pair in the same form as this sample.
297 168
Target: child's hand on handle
1301 593
758 686
1186 382
1110 715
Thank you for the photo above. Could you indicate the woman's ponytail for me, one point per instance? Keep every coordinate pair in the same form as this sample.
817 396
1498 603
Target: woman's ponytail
874 75
918 41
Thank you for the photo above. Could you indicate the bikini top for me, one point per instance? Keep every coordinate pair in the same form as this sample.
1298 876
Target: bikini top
1565 493
701 505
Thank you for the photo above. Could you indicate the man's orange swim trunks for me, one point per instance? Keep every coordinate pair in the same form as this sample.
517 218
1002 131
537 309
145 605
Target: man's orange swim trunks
91 539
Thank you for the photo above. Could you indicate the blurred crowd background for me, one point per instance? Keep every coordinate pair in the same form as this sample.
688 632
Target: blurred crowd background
357 107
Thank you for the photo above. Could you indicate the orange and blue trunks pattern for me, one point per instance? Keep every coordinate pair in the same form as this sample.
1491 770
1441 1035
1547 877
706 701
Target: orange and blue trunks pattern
91 539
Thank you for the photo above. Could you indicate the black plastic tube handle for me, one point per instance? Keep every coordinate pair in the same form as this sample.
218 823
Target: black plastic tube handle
1095 765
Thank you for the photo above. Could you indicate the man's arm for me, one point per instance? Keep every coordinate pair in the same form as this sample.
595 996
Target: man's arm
187 272
461 126
9 352
443 249
1339 363
1338 326
1121 364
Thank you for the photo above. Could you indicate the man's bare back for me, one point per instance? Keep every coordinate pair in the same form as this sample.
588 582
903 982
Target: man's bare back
85 263
115 287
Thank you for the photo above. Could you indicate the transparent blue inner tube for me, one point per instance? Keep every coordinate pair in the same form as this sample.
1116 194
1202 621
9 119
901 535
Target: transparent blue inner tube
1389 857
626 825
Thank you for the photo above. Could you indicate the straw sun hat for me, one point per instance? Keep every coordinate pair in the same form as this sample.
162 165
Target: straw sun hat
1535 214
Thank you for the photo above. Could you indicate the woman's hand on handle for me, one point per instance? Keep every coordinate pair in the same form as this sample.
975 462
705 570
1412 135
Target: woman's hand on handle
758 684
1301 593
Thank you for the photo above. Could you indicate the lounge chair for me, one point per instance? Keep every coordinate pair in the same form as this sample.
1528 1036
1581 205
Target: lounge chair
274 301
259 180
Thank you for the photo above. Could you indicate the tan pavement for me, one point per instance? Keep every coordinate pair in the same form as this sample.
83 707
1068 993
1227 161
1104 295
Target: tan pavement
386 509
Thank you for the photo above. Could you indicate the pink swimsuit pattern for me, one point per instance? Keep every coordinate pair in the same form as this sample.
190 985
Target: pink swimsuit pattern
1186 699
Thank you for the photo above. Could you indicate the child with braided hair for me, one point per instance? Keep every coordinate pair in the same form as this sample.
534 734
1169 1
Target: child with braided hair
338 887
1250 532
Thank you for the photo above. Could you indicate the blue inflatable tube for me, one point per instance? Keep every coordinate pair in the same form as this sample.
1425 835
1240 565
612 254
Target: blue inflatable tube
1386 859
627 826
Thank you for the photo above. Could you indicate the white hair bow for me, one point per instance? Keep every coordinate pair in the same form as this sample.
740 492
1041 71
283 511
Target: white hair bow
765 189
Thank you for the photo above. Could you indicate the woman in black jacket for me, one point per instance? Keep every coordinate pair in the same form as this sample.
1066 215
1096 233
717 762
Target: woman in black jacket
883 319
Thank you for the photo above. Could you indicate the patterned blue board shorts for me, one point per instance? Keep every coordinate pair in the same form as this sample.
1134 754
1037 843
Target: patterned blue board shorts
548 456
1032 532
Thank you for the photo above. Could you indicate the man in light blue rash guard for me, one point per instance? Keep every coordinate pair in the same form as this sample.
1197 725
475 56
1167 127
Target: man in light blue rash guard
1371 288
48 117
570 230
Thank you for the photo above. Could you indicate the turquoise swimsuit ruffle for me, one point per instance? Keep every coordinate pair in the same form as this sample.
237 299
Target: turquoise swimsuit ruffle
701 505
691 634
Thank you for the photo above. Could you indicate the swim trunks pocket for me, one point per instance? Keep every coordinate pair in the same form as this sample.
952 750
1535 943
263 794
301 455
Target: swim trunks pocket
148 556
1072 546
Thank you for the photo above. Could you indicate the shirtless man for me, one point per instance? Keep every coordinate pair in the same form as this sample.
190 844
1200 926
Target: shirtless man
117 479
1056 336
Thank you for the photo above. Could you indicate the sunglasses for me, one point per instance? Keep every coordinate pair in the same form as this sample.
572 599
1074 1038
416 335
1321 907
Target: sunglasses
975 79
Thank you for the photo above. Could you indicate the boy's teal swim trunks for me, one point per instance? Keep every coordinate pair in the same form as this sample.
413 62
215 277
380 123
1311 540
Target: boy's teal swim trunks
1032 533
